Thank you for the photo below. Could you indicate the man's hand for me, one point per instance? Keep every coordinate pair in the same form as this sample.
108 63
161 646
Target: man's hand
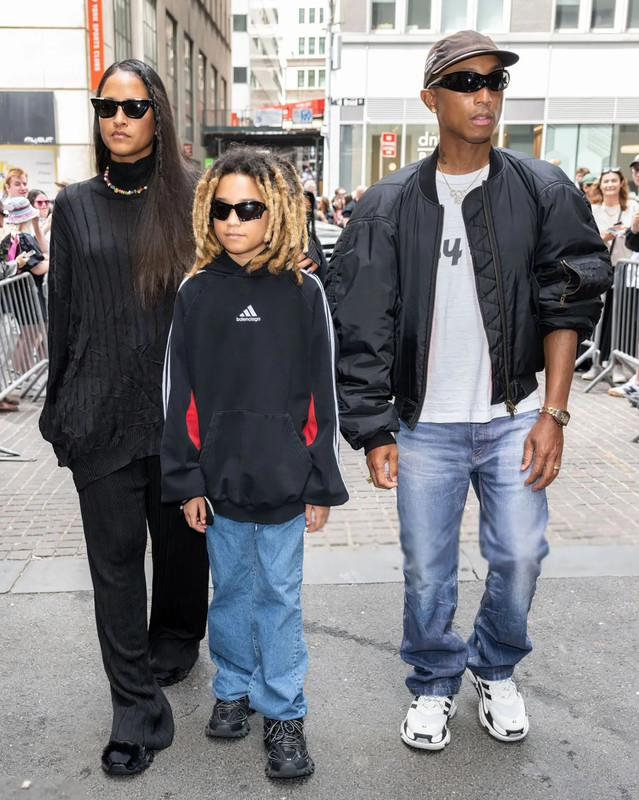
316 517
544 444
382 466
304 262
195 513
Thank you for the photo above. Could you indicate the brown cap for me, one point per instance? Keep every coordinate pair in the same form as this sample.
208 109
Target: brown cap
458 47
635 160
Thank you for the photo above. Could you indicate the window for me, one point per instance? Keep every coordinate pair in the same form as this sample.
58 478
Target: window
490 15
311 46
567 14
383 15
418 16
321 15
300 45
454 15
239 75
311 79
122 29
223 100
321 78
188 87
201 87
239 23
311 16
170 34
633 14
300 79
150 33
322 45
213 96
603 14
301 16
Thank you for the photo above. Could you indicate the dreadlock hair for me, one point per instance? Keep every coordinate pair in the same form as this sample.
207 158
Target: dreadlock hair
281 190
163 248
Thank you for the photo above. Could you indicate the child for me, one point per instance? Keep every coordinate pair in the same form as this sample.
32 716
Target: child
251 434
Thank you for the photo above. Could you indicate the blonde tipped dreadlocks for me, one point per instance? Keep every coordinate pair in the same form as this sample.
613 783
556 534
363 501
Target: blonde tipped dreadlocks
281 191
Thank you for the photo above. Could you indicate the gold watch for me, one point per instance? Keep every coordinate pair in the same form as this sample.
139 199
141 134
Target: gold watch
560 415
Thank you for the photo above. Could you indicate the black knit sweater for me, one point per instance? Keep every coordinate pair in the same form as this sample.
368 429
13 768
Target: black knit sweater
103 407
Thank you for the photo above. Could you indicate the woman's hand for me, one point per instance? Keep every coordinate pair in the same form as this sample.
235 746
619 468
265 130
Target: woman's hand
195 513
21 260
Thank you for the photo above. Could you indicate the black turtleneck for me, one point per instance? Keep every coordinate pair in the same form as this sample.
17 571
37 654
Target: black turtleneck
103 407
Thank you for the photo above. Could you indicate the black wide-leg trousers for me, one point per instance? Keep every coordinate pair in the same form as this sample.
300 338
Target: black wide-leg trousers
116 510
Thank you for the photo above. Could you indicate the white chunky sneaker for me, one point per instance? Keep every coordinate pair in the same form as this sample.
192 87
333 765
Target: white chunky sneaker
501 708
426 724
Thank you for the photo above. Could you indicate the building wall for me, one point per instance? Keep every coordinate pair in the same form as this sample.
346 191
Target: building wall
53 40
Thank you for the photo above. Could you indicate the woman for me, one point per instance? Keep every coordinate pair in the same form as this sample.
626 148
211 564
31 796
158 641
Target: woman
118 257
324 211
614 212
42 205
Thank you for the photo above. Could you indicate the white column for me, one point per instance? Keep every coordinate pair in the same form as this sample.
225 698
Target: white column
137 29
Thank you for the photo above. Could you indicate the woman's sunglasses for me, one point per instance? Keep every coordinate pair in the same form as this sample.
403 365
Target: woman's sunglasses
468 82
246 211
42 203
135 108
606 170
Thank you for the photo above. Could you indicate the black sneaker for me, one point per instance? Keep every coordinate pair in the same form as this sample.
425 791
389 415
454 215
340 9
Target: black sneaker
229 719
286 745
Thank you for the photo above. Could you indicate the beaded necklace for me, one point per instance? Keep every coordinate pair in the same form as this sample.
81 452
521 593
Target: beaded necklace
115 189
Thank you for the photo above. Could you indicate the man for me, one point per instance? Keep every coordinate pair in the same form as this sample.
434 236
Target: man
16 183
634 171
456 280
587 182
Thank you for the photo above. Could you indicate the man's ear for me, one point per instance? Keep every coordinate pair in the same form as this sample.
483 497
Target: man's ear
428 99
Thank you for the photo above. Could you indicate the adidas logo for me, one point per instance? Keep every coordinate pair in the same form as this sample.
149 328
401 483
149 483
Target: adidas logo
248 315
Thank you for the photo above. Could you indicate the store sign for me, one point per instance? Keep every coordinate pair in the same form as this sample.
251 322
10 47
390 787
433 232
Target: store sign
268 118
426 144
389 145
347 102
96 43
27 118
302 116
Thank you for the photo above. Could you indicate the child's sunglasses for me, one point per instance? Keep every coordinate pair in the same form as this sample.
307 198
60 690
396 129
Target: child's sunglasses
246 211
468 82
135 108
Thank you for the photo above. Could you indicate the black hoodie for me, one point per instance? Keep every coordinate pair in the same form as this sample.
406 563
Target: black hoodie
249 395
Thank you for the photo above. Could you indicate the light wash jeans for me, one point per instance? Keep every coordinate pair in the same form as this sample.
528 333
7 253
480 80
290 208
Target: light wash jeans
255 618
437 462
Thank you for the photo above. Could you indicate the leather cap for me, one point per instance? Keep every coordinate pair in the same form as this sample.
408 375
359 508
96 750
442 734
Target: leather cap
460 46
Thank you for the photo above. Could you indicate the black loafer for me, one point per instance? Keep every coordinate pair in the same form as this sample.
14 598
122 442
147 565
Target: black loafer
171 676
125 758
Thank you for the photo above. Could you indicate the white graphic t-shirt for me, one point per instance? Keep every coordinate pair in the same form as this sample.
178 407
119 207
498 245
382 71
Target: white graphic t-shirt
459 383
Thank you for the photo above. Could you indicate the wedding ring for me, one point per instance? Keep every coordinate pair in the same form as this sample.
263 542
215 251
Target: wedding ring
556 469
369 479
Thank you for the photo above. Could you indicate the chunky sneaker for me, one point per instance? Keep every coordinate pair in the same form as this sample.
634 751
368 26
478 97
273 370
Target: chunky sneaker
627 389
229 719
501 708
287 753
426 724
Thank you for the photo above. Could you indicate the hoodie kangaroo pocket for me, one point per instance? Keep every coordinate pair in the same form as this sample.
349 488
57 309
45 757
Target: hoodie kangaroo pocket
254 459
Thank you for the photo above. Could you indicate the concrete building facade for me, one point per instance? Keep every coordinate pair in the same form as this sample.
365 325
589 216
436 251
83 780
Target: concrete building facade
573 95
45 115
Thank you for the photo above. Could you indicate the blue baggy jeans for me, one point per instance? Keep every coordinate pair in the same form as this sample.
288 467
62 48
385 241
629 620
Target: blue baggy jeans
255 618
437 462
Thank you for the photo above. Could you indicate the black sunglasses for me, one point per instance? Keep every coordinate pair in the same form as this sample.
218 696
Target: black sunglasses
468 82
135 108
246 211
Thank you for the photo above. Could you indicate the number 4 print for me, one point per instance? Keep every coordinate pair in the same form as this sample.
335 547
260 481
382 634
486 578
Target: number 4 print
455 253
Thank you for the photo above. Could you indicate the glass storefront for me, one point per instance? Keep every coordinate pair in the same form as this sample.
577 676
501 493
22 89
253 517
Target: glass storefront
379 164
350 157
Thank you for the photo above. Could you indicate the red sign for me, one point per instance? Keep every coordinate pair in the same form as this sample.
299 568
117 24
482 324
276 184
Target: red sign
389 145
317 107
96 43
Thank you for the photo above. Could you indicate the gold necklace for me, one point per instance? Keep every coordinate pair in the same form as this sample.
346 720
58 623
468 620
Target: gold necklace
459 194
615 212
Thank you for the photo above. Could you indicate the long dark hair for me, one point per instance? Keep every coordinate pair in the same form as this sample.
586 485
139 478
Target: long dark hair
164 245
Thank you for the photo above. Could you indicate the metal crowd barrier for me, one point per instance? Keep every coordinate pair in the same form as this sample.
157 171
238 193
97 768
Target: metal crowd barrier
625 315
24 355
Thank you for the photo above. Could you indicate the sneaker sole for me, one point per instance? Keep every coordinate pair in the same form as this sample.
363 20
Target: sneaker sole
424 744
291 771
515 737
226 732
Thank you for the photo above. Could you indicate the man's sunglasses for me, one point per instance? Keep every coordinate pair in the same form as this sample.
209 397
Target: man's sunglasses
135 108
468 82
42 203
246 211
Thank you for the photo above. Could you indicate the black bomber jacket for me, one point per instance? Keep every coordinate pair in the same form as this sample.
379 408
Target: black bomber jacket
540 265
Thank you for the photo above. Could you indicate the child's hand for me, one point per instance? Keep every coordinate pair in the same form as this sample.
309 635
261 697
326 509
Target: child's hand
195 513
316 517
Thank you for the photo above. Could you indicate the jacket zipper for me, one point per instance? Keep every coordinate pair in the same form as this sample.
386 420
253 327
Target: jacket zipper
510 406
431 306
562 299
